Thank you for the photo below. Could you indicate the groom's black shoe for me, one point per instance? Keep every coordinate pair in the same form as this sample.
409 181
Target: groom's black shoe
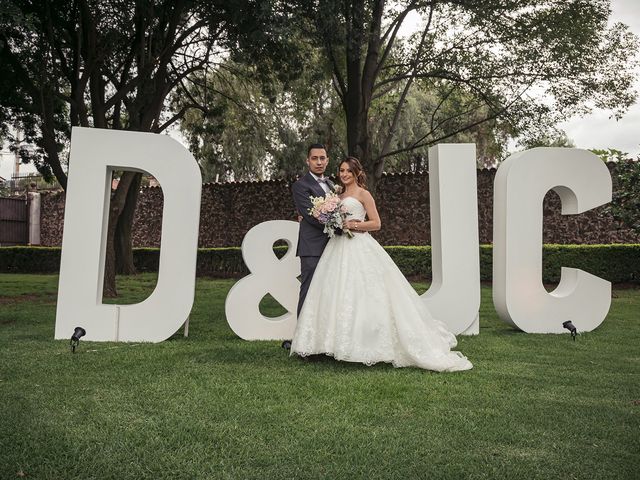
286 344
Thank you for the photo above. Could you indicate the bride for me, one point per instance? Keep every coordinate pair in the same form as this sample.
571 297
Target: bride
360 307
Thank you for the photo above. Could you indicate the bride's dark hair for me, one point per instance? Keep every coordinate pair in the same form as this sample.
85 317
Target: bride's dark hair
356 168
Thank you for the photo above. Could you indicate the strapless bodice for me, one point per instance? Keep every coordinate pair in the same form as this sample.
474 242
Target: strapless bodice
355 209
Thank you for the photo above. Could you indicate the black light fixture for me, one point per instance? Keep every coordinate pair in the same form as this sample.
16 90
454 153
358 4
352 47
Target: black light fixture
569 326
78 333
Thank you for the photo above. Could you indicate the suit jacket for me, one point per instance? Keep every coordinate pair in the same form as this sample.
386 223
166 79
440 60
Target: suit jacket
311 238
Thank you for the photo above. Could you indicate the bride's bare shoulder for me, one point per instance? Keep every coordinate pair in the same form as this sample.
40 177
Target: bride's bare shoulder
364 195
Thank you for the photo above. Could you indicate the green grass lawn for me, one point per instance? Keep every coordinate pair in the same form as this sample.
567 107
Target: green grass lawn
214 406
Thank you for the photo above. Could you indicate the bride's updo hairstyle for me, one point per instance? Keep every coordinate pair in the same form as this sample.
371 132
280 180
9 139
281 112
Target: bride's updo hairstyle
356 168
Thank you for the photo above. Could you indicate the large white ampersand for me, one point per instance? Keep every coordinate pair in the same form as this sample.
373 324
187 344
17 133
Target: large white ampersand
268 275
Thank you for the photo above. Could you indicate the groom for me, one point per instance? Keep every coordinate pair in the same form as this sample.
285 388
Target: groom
311 238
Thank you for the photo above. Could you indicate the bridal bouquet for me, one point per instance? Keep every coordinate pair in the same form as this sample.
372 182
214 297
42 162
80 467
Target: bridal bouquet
330 212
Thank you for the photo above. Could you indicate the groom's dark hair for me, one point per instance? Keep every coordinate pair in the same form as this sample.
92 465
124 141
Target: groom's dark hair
315 145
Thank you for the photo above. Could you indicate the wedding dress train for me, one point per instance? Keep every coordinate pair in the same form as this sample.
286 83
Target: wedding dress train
360 308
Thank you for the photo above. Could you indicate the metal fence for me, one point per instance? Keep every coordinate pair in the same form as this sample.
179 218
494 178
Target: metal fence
14 221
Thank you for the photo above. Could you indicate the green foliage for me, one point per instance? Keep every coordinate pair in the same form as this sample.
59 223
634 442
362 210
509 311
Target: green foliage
412 261
417 116
29 259
220 262
610 154
615 263
560 139
211 262
247 133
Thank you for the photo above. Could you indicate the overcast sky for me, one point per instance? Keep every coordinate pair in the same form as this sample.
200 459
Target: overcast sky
594 131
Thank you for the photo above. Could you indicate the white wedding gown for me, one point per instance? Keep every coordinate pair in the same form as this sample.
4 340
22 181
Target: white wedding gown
360 308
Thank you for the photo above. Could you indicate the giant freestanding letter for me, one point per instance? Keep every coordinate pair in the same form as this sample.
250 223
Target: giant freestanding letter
268 275
454 296
95 153
583 182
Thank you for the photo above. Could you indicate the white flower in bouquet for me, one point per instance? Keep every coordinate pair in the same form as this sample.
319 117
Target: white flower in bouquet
330 212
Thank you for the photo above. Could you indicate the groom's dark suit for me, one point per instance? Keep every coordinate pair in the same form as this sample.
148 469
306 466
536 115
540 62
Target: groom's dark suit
311 238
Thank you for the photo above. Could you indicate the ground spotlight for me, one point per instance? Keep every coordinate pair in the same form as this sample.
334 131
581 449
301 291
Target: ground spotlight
78 333
569 326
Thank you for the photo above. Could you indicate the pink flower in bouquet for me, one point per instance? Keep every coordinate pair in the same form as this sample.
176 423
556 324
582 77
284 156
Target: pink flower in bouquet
330 212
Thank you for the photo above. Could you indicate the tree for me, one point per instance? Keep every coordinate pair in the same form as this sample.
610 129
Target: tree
417 116
560 139
527 64
610 154
258 128
111 64
255 130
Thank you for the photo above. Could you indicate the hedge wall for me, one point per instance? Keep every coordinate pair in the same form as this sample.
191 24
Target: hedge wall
616 263
212 262
29 259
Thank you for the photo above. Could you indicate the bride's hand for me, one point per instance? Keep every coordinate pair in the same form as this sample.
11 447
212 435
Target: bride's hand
351 224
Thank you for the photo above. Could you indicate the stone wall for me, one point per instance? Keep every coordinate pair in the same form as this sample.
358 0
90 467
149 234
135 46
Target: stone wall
229 210
51 218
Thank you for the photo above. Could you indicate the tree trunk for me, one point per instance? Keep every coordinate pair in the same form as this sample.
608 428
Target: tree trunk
109 285
372 180
116 206
361 76
123 241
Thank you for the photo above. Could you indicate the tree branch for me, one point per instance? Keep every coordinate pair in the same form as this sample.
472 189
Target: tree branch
400 104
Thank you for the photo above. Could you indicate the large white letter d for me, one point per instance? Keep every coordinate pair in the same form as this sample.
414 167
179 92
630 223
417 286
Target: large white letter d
95 153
